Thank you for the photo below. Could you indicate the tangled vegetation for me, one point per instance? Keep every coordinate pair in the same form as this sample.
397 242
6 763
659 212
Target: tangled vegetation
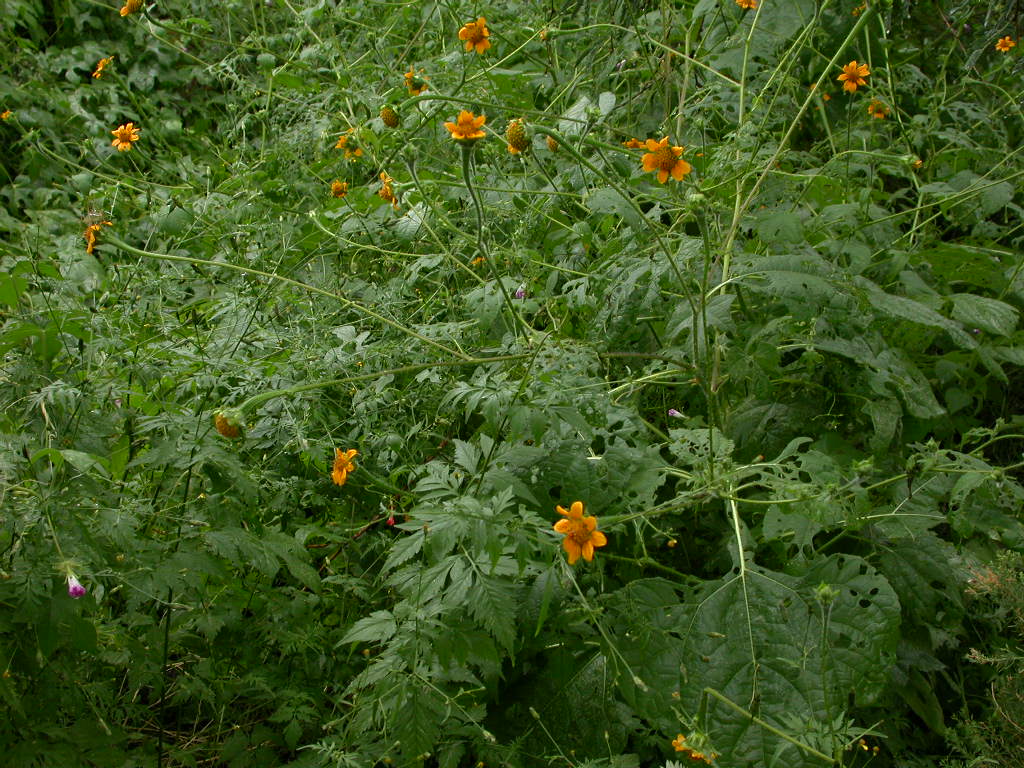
615 383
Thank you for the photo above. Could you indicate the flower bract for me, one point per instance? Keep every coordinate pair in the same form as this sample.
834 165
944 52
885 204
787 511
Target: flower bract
475 35
580 531
467 127
853 76
124 136
665 160
343 464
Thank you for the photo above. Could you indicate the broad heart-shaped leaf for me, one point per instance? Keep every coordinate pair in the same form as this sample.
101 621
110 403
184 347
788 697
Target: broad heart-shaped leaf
765 641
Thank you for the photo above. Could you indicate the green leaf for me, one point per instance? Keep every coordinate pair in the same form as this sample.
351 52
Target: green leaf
375 628
908 309
988 314
609 200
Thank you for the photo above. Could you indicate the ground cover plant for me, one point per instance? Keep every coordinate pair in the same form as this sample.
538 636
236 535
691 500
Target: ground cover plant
592 384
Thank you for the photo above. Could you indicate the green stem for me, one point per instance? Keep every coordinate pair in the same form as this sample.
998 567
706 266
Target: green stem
113 240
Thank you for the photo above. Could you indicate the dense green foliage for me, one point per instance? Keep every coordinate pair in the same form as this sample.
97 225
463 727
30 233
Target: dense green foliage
788 386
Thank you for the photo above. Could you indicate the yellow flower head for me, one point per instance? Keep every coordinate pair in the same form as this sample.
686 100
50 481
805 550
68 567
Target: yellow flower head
581 534
386 191
91 231
1005 44
343 464
103 63
339 188
130 6
747 5
124 136
877 109
6 114
348 143
665 160
467 127
414 82
475 35
853 76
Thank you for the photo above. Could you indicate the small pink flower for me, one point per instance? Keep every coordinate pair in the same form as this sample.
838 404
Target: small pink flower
75 588
520 293
674 413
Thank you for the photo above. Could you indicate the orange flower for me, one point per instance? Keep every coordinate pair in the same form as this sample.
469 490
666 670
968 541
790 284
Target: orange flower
475 34
347 143
665 160
339 188
386 191
414 82
853 76
1005 44
130 6
877 109
90 234
581 534
633 144
103 63
124 136
6 114
467 127
747 5
343 464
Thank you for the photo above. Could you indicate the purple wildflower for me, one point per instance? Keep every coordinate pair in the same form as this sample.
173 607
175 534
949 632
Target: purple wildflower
520 292
674 413
75 588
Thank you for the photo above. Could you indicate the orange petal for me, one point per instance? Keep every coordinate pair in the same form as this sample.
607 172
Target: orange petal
662 176
598 539
563 526
680 169
652 145
588 551
576 510
572 549
590 522
650 162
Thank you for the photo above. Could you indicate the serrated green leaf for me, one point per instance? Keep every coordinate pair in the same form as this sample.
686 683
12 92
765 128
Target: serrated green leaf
375 628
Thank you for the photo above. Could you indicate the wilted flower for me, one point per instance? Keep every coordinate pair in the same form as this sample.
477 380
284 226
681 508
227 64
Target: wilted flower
877 109
389 117
552 144
632 144
516 136
386 191
853 76
124 136
6 114
520 292
475 34
747 5
414 82
75 588
343 464
339 188
103 63
347 143
130 6
91 231
581 534
467 127
665 160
